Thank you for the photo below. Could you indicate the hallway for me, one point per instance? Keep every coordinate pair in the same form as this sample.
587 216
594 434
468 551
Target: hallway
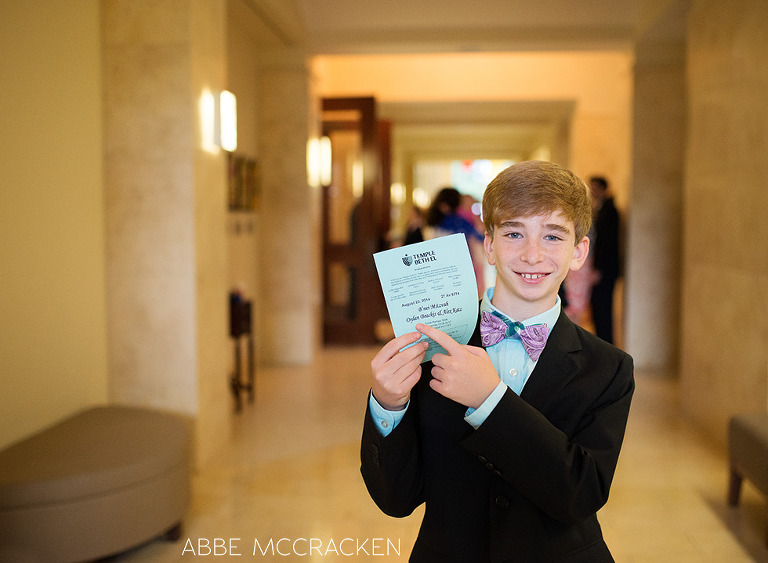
292 471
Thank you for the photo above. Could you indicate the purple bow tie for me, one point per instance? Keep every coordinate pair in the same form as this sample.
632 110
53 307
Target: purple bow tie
494 329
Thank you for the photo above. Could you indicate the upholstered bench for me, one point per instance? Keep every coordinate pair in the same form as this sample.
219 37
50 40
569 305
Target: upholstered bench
98 483
748 454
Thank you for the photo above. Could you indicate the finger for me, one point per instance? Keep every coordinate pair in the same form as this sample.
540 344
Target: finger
391 348
399 367
397 377
448 343
400 380
438 358
409 360
476 351
413 377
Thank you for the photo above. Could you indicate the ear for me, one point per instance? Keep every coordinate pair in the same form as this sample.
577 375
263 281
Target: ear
580 254
488 246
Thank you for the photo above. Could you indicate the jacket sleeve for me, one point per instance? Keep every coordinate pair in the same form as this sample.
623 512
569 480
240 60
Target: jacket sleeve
391 465
567 475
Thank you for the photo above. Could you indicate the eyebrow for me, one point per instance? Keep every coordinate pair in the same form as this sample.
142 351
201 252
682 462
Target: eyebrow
550 226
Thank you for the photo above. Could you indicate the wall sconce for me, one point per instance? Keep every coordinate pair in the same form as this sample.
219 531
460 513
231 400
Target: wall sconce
227 114
319 162
421 198
397 195
218 115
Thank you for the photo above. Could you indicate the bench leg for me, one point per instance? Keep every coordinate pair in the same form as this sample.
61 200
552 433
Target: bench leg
766 536
174 533
734 487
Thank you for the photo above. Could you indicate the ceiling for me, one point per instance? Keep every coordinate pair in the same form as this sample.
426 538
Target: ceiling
419 26
334 27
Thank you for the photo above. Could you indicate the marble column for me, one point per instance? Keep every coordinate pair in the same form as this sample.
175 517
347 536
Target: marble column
165 213
289 237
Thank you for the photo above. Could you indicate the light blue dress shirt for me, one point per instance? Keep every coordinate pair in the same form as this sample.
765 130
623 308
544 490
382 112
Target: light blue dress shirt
512 363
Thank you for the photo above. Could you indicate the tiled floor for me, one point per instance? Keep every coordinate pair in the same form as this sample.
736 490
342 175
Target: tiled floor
291 473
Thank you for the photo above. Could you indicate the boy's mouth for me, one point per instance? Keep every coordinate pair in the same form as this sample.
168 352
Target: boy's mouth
532 277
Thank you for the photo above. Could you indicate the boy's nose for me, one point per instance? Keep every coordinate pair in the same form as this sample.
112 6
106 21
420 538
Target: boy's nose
532 253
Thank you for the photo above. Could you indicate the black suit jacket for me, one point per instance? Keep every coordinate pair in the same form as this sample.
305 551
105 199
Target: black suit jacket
606 248
527 484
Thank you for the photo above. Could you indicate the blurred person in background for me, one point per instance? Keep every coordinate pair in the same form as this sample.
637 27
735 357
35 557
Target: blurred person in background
445 217
605 257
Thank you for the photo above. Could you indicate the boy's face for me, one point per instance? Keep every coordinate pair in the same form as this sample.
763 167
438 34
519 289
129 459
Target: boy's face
532 256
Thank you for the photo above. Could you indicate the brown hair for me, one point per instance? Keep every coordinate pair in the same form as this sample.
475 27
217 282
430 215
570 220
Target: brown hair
537 187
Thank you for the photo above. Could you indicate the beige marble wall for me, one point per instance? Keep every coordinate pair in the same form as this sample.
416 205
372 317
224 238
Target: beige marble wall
214 350
289 233
150 207
653 222
165 212
724 351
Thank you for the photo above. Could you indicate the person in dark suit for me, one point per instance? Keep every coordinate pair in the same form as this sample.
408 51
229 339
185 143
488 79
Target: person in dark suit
511 440
605 253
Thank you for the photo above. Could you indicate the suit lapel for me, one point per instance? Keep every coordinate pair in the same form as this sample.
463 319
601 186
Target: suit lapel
556 366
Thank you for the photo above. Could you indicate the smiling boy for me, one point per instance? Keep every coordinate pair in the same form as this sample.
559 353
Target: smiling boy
511 440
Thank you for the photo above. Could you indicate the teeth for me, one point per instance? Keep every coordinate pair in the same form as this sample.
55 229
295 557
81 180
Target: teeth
532 276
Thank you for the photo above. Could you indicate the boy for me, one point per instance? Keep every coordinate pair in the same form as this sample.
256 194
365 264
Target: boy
511 440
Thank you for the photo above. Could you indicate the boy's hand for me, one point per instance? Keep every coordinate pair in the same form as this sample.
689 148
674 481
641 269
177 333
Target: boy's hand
465 375
395 372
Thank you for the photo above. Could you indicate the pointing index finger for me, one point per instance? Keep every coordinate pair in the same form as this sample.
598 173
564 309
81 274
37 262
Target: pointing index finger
448 343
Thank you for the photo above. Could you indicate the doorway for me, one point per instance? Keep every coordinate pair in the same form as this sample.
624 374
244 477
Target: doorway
355 220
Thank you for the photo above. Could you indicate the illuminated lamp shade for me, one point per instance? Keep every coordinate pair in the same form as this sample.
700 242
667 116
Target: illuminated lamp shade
218 117
227 121
208 121
397 193
421 198
319 162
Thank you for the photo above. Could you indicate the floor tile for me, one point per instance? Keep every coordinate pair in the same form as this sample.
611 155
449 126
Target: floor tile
291 472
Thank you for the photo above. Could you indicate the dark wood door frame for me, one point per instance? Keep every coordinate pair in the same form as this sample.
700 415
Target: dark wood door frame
356 323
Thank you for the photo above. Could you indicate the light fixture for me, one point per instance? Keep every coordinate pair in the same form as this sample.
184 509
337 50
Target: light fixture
397 193
319 162
218 117
358 179
421 198
208 121
227 121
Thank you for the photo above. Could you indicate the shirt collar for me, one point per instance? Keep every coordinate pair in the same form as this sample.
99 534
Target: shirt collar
548 317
